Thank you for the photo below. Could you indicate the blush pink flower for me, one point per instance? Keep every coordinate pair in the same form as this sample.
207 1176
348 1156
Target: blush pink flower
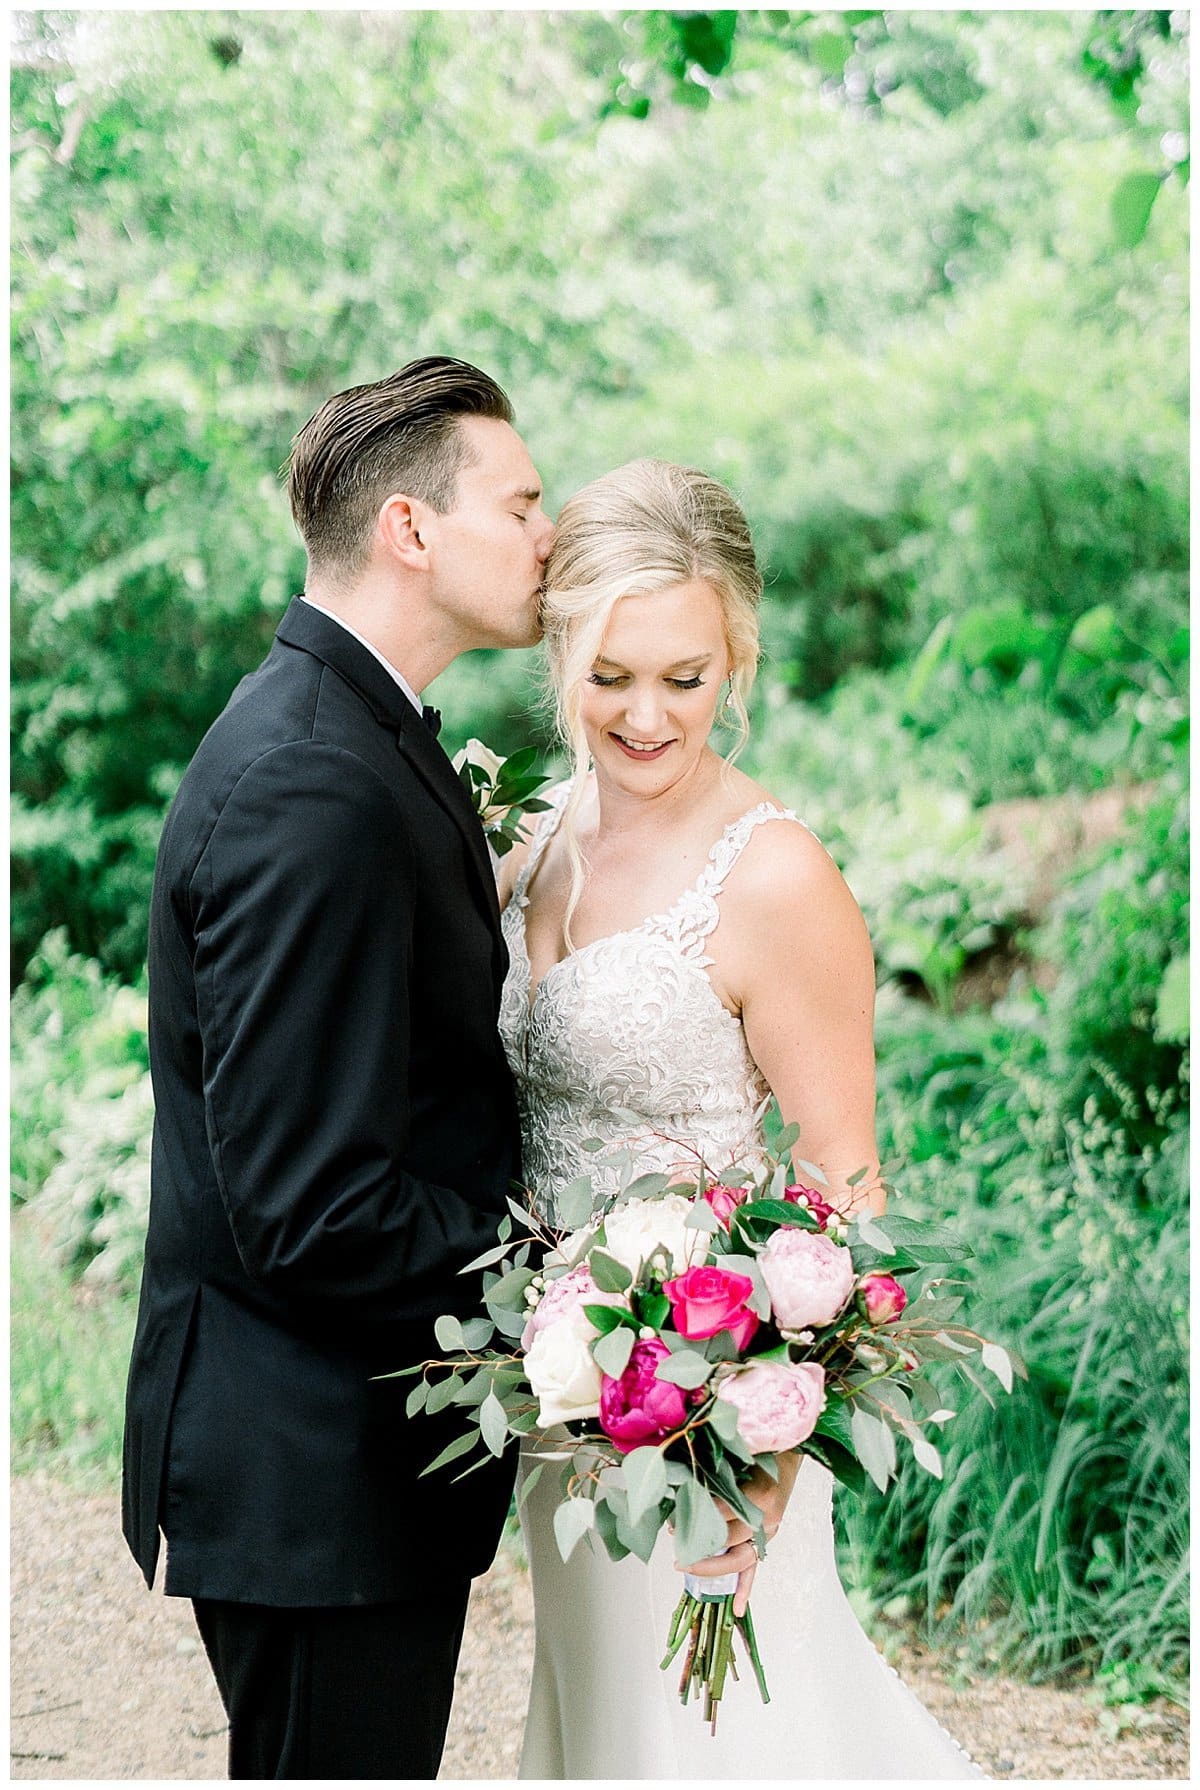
881 1298
706 1300
821 1210
639 1408
725 1200
808 1275
778 1403
564 1295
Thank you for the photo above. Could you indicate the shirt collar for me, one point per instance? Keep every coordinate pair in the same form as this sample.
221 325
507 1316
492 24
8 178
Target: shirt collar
397 676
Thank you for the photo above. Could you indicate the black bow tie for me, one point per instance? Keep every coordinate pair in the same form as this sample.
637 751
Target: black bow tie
432 719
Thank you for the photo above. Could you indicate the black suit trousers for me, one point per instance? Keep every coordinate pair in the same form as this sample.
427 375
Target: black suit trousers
357 1692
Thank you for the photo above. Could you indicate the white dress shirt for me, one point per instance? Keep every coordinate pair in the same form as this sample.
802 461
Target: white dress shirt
373 650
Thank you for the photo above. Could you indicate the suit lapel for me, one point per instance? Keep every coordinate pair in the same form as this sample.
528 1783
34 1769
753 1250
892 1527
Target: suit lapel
426 757
315 633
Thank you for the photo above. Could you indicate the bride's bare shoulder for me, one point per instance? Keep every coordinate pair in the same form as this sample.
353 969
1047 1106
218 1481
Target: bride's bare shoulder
785 864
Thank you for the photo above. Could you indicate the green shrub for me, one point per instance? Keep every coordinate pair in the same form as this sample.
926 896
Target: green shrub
69 1356
77 1038
1118 930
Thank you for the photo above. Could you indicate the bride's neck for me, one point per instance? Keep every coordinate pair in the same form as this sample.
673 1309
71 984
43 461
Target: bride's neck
620 811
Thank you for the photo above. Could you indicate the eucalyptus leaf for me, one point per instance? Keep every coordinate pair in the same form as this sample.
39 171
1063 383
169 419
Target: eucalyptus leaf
477 1333
453 1451
927 1455
573 1205
874 1235
647 1187
448 1331
810 1168
645 1480
497 1254
609 1275
510 1324
529 1479
874 1444
996 1360
572 1521
416 1399
611 1353
685 1368
700 1529
606 1528
493 1424
441 1393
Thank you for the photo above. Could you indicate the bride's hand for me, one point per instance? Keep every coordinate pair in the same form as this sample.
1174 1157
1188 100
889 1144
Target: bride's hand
740 1555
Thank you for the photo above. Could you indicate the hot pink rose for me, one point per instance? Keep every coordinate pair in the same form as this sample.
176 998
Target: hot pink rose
705 1300
778 1403
821 1210
725 1200
638 1408
562 1296
808 1275
880 1298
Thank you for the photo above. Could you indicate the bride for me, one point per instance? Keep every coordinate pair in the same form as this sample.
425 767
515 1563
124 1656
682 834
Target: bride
681 945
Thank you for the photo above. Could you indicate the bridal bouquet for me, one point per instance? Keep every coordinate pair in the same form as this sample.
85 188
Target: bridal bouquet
687 1333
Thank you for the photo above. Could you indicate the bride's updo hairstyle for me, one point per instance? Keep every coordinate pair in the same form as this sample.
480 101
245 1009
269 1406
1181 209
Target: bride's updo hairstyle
646 527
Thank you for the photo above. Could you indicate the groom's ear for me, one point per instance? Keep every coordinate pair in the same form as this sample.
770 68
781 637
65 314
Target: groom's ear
400 528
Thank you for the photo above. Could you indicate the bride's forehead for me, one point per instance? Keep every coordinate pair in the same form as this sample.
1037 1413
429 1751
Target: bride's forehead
669 625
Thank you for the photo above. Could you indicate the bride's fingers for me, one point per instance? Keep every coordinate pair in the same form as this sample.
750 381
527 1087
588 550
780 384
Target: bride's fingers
735 1559
741 1596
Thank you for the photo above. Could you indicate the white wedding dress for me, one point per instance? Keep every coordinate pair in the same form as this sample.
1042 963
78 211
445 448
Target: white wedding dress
632 1024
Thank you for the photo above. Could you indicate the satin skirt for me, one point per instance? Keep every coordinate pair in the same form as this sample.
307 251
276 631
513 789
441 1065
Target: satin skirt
600 1707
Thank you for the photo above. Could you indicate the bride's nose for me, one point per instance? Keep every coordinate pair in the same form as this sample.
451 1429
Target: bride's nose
643 713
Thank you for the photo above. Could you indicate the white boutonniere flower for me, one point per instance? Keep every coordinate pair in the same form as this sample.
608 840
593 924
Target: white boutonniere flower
502 791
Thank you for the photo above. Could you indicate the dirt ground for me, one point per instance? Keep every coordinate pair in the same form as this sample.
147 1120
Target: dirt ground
110 1680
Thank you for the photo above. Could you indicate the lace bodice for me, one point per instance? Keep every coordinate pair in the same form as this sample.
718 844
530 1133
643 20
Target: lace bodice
631 1026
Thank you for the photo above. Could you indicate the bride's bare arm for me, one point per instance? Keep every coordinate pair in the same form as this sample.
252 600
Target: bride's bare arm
800 963
793 950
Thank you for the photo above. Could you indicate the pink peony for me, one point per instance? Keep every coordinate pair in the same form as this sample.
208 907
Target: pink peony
705 1300
725 1200
821 1210
808 1275
880 1298
639 1408
563 1295
778 1403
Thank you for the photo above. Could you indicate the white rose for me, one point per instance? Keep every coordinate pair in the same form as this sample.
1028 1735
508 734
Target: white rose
634 1230
475 752
564 1377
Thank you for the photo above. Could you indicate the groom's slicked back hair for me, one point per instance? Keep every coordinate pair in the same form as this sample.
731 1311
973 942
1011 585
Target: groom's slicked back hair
400 434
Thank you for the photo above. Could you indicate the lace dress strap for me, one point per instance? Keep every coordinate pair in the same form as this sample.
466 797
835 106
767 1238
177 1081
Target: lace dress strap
688 923
543 831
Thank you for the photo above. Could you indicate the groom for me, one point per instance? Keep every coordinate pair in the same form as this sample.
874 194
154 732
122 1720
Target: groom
335 1125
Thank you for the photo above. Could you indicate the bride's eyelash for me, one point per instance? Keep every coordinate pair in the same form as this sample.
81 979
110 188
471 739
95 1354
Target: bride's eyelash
680 683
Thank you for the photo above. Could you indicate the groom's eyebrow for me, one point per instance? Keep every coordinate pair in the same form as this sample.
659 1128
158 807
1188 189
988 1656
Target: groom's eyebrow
531 493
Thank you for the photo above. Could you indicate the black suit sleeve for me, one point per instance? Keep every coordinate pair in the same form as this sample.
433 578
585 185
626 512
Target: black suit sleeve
302 906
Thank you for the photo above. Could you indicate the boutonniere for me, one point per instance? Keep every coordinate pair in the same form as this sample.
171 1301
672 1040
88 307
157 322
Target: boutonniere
502 791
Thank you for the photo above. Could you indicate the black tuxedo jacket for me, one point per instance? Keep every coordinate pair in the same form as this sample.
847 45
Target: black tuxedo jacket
335 1134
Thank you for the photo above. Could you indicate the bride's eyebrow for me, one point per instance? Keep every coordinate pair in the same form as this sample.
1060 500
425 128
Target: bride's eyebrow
699 660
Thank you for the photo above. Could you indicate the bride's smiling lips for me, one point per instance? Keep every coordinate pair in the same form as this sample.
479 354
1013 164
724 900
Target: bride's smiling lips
644 751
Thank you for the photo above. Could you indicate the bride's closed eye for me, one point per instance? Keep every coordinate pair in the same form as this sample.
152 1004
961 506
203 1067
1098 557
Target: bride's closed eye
678 683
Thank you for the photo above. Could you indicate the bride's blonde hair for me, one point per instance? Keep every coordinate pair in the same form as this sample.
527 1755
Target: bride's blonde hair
646 527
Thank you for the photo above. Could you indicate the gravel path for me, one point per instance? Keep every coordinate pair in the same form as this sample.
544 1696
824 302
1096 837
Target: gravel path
110 1680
